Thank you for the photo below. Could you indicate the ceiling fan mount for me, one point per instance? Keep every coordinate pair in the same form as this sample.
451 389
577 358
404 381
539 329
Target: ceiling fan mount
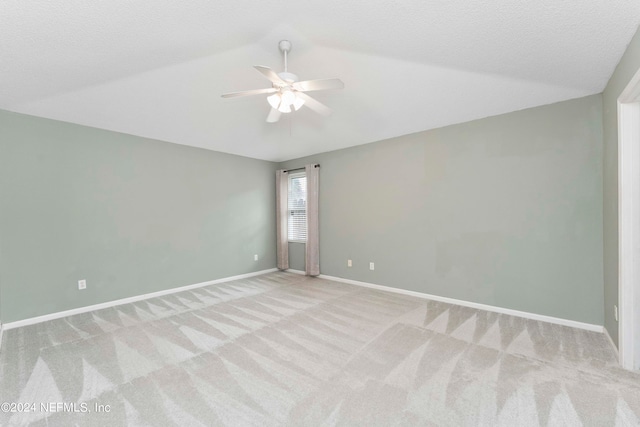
287 93
285 46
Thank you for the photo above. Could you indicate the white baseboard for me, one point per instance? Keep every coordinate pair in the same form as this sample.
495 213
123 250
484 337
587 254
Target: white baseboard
613 345
524 314
60 314
517 313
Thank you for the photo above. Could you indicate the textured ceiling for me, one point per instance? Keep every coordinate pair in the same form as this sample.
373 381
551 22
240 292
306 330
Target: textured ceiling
157 68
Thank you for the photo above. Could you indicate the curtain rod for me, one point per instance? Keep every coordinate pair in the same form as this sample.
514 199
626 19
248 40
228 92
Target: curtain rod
317 165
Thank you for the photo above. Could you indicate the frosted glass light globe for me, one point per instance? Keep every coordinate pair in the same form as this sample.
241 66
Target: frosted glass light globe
288 97
274 100
299 102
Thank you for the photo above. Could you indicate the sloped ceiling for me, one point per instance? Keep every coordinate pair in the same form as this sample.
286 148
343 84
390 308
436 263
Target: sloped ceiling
157 68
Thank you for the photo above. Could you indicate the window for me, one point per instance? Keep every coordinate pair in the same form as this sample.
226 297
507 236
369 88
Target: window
297 208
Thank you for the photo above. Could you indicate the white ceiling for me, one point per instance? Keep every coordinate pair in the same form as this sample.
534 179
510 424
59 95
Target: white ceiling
157 68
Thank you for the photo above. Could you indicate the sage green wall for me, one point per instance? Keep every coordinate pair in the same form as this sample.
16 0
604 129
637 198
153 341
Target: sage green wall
626 69
505 211
130 215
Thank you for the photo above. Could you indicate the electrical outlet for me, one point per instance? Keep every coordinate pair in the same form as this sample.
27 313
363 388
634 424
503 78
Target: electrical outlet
349 263
615 312
372 266
255 257
82 284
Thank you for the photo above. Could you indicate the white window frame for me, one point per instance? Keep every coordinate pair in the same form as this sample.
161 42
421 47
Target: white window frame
628 224
291 177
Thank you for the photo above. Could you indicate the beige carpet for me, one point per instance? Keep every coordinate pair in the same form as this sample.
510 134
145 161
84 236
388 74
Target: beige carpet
282 349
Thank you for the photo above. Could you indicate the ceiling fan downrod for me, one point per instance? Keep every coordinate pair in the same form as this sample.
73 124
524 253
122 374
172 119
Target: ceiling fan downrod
285 48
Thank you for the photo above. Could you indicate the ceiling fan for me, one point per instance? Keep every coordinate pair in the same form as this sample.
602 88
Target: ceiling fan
287 93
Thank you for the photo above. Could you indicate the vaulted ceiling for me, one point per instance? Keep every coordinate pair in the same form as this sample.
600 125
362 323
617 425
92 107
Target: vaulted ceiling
157 68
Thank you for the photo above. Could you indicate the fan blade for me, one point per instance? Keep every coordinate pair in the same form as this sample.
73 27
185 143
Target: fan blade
316 106
274 116
250 92
271 75
322 84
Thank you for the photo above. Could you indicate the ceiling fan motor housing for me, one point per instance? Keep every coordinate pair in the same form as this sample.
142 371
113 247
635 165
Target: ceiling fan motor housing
288 77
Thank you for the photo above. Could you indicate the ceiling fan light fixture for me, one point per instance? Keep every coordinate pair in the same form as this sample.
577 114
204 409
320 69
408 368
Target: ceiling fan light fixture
274 100
288 97
284 107
299 102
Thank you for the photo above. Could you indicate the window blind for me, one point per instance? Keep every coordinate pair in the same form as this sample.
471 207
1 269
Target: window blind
297 207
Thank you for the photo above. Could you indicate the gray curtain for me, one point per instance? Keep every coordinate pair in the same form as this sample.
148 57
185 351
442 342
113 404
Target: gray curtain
312 248
282 215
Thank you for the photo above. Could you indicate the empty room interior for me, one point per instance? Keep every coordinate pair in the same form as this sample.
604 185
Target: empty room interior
242 213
